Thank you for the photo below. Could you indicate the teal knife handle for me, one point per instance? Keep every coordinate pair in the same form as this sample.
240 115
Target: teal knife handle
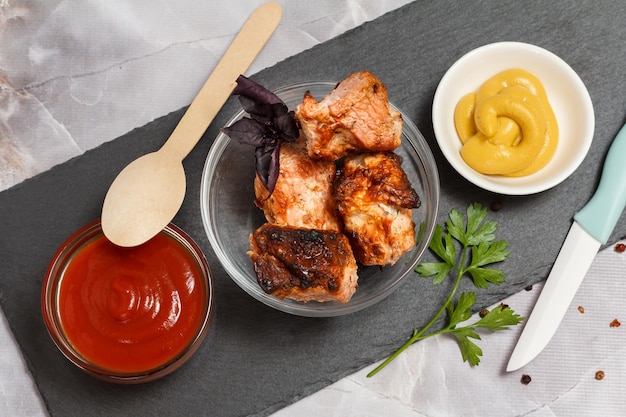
601 213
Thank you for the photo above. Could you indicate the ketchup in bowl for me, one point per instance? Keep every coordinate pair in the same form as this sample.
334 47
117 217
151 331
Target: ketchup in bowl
128 315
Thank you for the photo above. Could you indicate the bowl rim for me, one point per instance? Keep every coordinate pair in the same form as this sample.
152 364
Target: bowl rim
321 309
53 322
499 184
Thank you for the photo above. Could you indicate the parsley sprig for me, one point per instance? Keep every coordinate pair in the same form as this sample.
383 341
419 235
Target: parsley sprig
478 249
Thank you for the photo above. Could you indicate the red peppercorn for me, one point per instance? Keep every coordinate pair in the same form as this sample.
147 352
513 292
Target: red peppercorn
620 247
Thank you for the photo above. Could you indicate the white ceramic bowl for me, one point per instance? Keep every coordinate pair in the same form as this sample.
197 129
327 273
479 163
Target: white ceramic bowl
567 94
230 216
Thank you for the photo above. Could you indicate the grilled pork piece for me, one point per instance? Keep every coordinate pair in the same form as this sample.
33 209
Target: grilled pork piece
375 200
303 195
354 116
303 264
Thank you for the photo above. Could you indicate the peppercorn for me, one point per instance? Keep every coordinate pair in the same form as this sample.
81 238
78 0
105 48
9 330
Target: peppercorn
483 313
600 375
495 206
620 247
526 379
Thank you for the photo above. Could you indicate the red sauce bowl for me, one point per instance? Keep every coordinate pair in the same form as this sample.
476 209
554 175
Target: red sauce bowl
128 315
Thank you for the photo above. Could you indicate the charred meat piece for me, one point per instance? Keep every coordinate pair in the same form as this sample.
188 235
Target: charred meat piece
375 201
303 264
304 193
354 117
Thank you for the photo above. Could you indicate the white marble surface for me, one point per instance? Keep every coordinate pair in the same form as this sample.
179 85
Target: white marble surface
77 73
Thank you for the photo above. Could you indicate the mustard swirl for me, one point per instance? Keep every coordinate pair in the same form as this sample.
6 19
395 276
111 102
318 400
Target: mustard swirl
507 127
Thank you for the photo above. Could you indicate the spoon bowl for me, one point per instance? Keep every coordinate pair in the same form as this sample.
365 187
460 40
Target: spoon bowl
147 195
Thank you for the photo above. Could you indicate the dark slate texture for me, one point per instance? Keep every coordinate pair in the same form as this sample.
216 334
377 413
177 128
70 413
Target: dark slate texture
257 360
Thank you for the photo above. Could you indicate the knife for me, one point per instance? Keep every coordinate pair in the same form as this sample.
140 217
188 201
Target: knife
591 228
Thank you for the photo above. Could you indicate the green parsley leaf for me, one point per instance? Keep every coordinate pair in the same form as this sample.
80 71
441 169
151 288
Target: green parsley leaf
443 247
469 350
439 270
486 253
499 318
462 311
483 276
478 249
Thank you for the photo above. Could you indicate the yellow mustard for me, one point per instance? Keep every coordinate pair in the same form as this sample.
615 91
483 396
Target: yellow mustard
507 126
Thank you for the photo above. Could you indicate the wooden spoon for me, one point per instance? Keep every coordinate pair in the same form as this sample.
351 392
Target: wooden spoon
148 193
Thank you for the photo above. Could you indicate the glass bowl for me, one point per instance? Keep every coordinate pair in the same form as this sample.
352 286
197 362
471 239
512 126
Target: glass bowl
116 297
230 216
566 92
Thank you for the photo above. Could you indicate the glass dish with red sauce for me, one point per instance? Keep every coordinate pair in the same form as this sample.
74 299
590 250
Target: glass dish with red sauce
128 315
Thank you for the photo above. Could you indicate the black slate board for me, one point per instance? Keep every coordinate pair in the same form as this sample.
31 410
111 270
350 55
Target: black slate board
257 360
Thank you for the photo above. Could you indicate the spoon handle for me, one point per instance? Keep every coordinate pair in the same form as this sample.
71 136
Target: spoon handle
242 51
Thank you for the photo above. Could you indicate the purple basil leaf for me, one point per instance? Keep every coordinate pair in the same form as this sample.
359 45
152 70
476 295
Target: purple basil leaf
247 132
248 88
287 126
269 124
263 157
258 111
273 170
268 166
